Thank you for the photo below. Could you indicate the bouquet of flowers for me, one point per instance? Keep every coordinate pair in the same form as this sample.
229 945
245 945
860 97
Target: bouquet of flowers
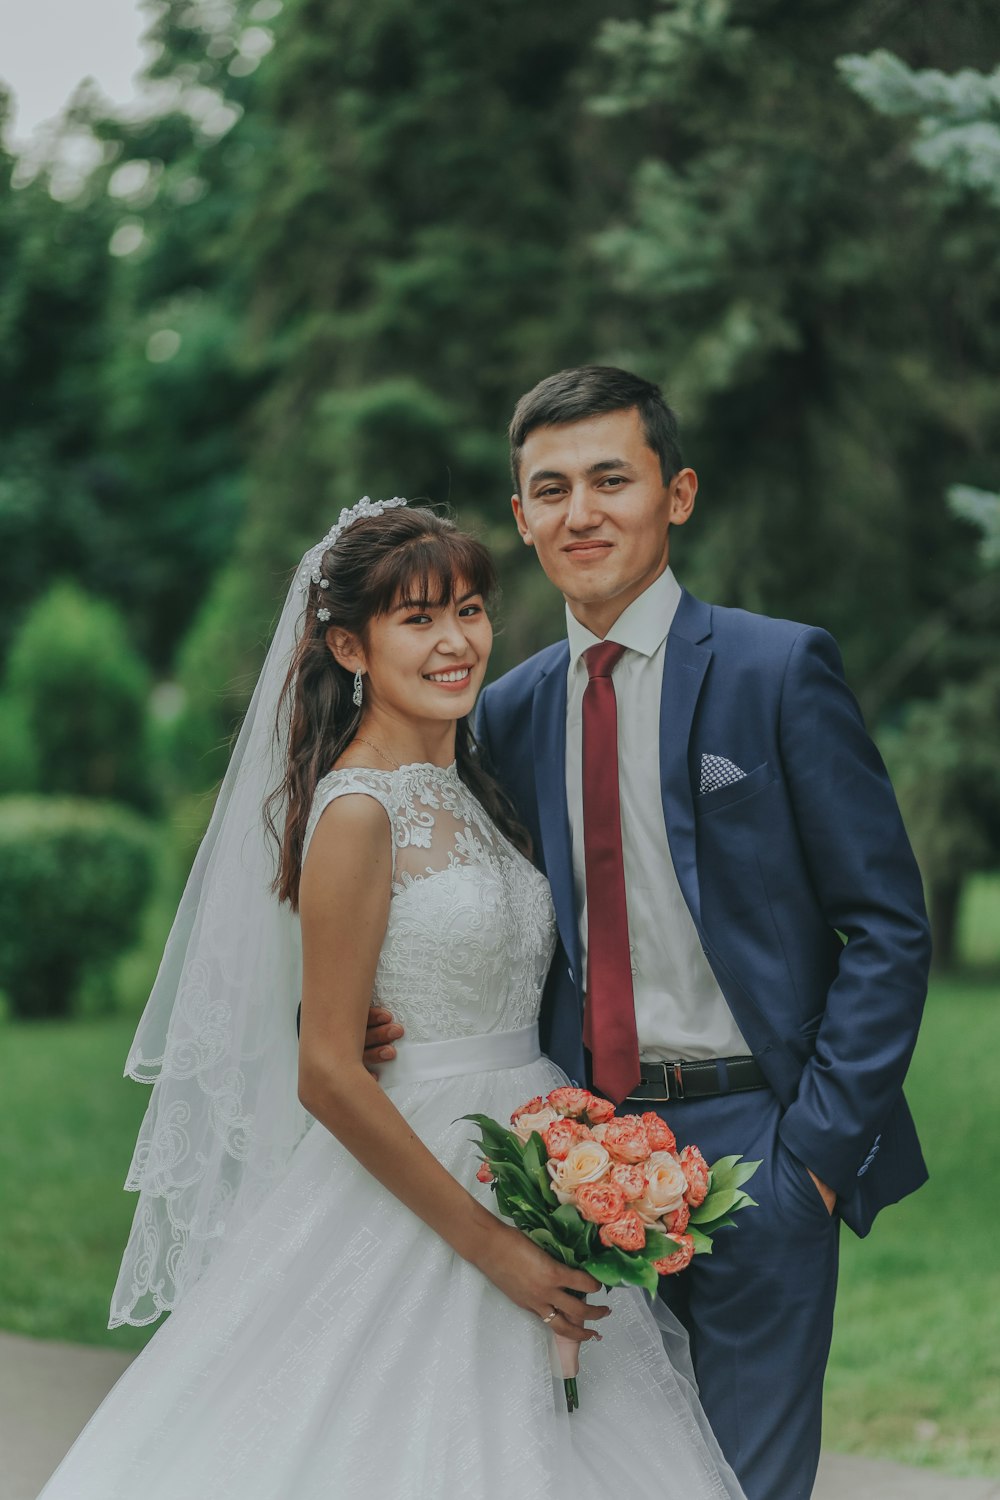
608 1194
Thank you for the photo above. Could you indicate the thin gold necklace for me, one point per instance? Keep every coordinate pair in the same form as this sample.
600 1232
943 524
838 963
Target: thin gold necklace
360 739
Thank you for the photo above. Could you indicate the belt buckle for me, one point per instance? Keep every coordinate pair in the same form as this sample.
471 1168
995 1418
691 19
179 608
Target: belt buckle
673 1084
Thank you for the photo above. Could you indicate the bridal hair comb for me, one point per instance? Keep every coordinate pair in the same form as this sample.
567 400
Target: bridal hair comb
366 507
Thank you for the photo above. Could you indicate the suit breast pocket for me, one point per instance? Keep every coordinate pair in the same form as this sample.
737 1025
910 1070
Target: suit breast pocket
748 786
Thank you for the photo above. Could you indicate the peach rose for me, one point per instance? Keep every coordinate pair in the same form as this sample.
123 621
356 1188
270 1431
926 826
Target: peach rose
561 1135
696 1173
536 1119
677 1222
531 1108
598 1132
680 1258
626 1139
484 1174
630 1178
661 1137
587 1161
664 1190
600 1202
600 1111
569 1101
627 1233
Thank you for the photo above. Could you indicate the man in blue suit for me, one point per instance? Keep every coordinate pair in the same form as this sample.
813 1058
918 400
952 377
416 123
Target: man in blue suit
772 945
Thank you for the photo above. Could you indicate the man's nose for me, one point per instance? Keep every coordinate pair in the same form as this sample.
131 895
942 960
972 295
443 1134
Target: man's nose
581 512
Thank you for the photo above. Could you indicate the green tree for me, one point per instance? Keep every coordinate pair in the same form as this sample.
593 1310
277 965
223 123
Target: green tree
948 765
820 318
408 237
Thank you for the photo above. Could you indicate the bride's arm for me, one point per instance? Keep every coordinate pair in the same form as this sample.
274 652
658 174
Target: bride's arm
344 907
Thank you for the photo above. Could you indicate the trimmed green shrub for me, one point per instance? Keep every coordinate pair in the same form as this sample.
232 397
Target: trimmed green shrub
83 691
74 878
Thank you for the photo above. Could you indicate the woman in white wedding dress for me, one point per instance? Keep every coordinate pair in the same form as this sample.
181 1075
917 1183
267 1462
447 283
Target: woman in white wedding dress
349 1317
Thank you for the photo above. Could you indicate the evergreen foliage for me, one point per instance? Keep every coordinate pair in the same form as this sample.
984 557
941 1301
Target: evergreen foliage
82 691
74 876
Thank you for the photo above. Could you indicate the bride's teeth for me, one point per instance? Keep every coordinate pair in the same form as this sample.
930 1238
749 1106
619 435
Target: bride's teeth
449 676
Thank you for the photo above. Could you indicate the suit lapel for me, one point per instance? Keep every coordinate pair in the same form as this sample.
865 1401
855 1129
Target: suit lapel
684 667
548 727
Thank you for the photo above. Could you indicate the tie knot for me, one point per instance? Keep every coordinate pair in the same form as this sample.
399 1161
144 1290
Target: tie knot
601 659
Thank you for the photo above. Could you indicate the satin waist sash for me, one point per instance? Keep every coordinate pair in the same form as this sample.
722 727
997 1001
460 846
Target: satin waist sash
419 1062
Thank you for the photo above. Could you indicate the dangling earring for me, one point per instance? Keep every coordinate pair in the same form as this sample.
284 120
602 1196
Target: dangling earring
359 692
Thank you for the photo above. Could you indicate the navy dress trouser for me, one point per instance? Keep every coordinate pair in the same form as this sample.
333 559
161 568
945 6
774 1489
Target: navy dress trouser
759 1310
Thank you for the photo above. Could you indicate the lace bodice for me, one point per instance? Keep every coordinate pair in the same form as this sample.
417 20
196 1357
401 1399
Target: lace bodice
471 927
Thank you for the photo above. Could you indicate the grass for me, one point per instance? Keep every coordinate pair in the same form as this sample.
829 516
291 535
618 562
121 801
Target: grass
68 1121
915 1369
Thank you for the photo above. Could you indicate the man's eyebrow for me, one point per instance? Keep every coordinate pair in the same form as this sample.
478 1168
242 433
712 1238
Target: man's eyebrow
603 466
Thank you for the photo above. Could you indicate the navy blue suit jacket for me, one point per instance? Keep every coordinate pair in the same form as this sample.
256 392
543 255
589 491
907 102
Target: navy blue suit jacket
800 878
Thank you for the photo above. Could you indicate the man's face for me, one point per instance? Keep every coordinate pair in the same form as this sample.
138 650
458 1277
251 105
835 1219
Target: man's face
594 506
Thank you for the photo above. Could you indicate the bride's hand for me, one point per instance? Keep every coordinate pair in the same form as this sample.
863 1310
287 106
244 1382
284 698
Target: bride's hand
539 1283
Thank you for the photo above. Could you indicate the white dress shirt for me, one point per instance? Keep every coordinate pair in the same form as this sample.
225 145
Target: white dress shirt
680 1011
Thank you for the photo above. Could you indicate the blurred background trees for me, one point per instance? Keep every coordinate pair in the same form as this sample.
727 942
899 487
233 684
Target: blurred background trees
347 236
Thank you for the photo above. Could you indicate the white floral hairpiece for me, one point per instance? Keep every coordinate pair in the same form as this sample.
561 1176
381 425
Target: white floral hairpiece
310 570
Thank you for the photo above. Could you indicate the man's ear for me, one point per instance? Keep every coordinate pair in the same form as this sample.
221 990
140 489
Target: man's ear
522 524
345 648
682 489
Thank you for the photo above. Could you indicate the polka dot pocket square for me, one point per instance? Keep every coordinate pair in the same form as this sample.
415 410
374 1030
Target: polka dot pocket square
717 772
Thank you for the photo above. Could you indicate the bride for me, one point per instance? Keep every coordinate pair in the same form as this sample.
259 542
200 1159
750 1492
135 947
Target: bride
349 1317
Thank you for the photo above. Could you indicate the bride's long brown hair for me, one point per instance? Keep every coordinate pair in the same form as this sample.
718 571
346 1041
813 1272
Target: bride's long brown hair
411 554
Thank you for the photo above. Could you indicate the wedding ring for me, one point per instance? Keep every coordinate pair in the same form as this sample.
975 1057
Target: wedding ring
551 1315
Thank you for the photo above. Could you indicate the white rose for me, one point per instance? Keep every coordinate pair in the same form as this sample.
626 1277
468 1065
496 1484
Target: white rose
665 1190
587 1161
523 1125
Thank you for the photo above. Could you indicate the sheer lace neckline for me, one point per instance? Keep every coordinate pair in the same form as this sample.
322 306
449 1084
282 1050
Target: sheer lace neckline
427 767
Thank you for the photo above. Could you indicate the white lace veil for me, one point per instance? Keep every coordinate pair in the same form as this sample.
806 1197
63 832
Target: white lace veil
217 1039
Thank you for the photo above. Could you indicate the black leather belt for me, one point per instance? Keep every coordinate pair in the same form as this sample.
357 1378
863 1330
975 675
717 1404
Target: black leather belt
697 1080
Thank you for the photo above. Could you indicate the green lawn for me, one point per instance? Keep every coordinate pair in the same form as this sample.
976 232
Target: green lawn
915 1373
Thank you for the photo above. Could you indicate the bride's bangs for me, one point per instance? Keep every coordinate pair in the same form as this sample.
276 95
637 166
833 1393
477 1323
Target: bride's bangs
430 570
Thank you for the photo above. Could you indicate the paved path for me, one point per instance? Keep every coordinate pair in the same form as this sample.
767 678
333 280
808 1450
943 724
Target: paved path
48 1390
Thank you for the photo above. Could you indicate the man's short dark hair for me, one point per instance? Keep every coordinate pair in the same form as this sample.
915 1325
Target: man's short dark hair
590 391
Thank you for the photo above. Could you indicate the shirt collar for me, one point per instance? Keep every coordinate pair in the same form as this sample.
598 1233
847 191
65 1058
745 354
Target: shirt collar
643 627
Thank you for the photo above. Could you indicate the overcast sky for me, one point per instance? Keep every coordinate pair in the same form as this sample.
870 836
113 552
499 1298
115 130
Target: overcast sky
47 47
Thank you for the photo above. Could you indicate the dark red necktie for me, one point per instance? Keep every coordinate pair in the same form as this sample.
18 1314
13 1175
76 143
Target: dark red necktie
609 1014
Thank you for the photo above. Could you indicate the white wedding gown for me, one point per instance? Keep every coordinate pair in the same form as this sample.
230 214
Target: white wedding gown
338 1349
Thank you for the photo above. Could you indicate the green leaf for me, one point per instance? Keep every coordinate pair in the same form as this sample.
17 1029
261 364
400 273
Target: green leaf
658 1245
535 1159
702 1243
574 1229
714 1224
614 1267
715 1204
547 1241
607 1269
731 1172
744 1172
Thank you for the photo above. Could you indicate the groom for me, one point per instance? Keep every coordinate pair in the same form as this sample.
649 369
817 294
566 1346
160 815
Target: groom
742 939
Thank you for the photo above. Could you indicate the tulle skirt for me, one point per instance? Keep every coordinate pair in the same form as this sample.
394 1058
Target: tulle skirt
338 1349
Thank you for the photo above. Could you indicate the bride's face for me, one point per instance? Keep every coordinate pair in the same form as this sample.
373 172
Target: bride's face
428 661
